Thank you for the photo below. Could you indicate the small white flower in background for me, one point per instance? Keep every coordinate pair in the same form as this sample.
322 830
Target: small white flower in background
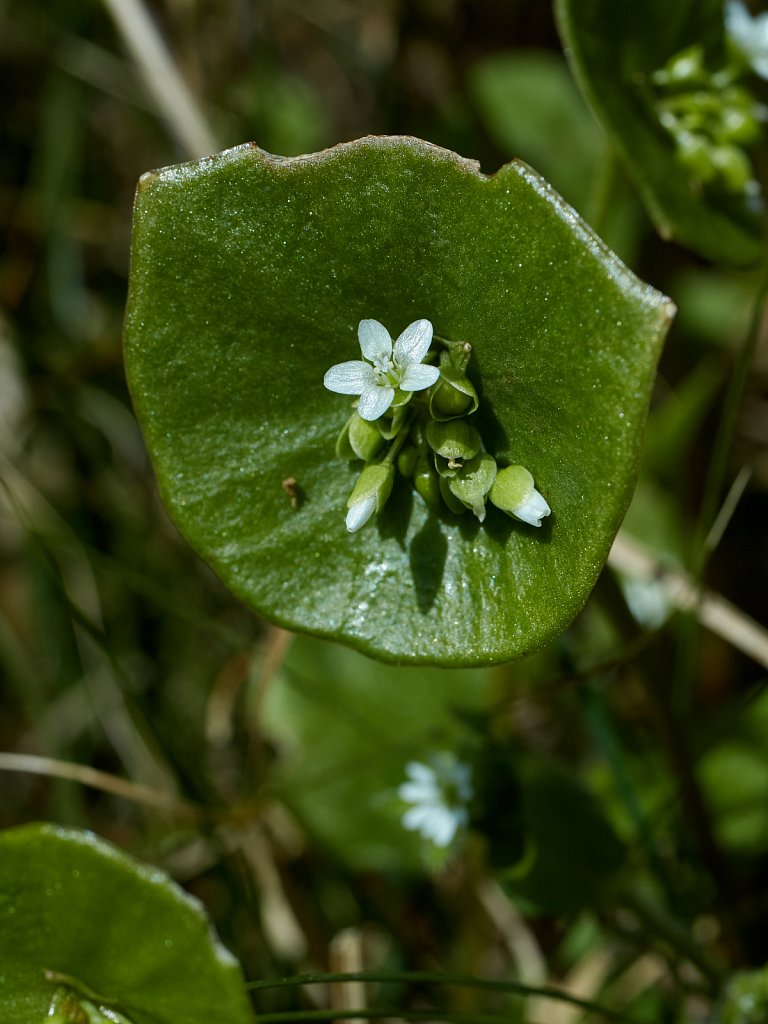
439 793
647 600
386 368
748 34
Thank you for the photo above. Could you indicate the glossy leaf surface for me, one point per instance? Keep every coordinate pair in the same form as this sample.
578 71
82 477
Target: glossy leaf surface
615 46
250 274
128 937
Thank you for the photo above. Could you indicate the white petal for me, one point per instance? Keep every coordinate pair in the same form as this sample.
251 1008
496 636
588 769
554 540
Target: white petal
749 34
418 792
738 23
359 514
418 376
350 378
413 343
416 819
375 342
443 827
463 782
533 509
375 399
416 770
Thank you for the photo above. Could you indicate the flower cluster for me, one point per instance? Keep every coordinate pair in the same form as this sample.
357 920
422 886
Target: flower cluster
709 114
413 418
439 795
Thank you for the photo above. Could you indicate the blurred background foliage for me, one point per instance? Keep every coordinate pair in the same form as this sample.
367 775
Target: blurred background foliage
619 845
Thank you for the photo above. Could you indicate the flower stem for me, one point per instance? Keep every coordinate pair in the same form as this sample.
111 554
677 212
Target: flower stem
703 545
428 978
400 438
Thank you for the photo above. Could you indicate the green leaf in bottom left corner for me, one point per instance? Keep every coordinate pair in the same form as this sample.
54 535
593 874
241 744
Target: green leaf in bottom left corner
88 933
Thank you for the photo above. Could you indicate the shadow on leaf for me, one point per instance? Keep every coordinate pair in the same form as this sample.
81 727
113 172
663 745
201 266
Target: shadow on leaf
428 552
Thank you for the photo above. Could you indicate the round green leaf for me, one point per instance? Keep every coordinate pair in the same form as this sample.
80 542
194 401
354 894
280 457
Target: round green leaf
615 46
115 933
250 274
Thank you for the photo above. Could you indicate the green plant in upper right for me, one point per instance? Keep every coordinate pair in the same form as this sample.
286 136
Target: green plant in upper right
711 116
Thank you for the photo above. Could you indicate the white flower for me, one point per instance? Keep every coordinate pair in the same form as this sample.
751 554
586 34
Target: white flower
386 367
748 34
439 793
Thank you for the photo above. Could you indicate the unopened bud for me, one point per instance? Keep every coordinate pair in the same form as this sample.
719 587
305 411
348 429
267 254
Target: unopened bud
454 440
373 487
427 483
514 492
364 438
473 481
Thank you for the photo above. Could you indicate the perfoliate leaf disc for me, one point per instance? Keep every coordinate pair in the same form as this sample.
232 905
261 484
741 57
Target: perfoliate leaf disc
78 916
250 274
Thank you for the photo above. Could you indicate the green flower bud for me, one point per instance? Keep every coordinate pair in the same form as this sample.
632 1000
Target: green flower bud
344 449
733 167
695 153
401 398
454 440
685 68
427 484
454 505
456 356
68 1009
373 487
406 460
514 492
473 481
365 438
453 396
738 124
390 424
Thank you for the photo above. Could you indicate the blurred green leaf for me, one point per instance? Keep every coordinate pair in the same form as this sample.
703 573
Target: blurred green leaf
281 111
120 934
345 736
714 307
573 853
735 778
615 46
249 276
673 425
746 998
533 110
734 774
529 100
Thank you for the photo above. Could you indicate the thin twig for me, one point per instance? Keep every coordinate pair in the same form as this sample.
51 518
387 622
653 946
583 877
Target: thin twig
86 776
424 978
713 611
161 76
732 499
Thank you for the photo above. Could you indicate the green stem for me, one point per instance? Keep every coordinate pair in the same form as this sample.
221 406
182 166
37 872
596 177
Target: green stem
293 1016
399 441
428 978
719 462
713 487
